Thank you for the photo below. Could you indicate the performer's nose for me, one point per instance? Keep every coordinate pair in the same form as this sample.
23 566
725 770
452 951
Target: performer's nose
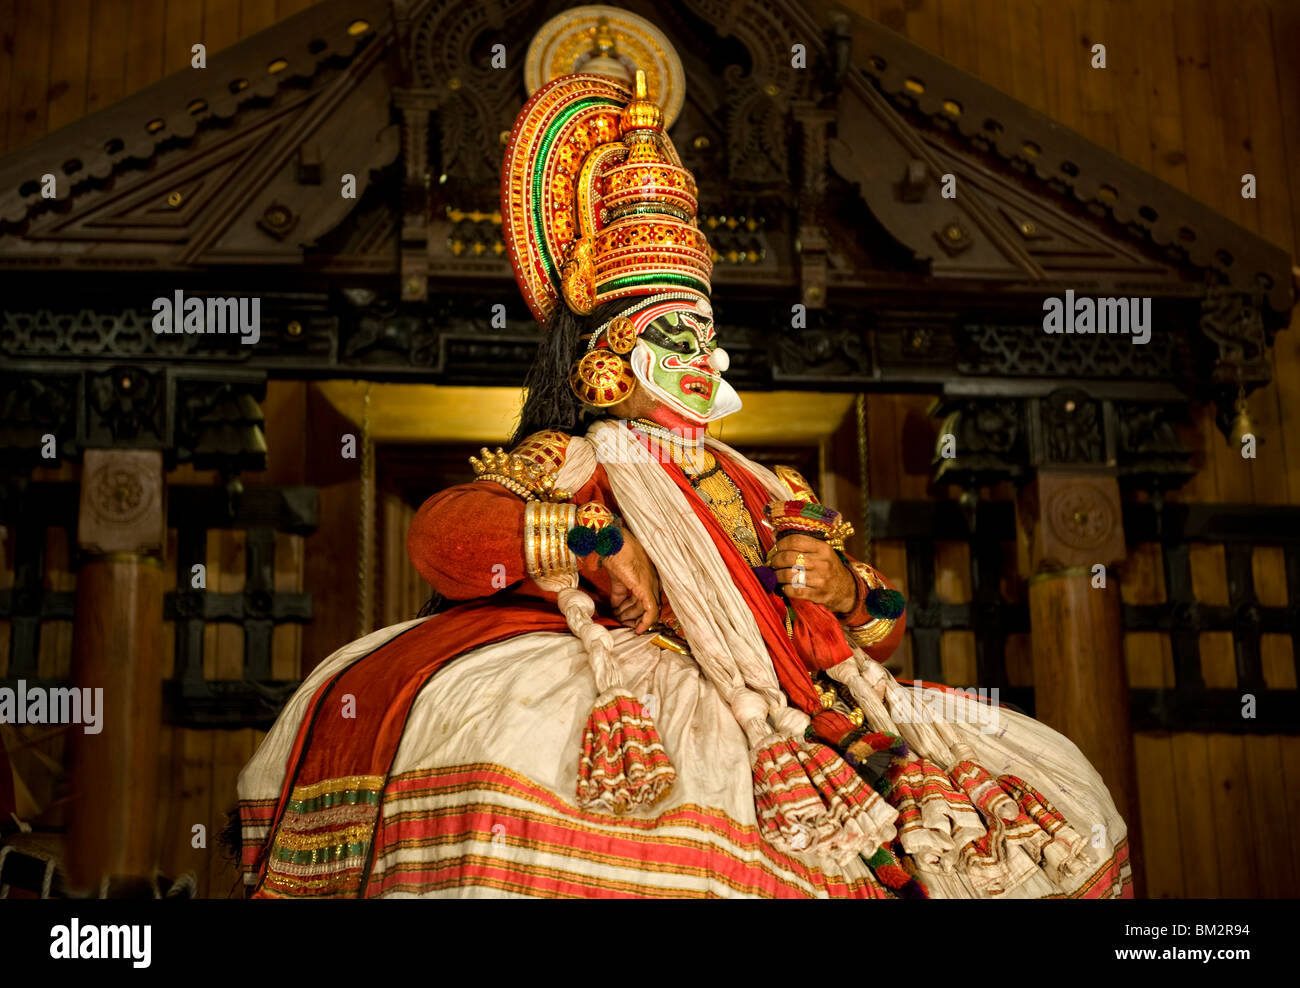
720 360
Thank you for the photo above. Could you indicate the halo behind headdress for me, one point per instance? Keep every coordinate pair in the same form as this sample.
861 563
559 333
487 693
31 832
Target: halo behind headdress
595 203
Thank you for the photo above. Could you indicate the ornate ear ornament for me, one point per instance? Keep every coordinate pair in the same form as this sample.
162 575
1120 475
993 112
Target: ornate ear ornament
601 379
621 335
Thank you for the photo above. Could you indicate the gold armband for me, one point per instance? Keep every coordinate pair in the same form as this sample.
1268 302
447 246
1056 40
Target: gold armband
546 532
793 481
518 474
869 576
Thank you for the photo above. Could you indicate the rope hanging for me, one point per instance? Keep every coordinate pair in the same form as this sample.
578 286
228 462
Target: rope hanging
868 552
365 523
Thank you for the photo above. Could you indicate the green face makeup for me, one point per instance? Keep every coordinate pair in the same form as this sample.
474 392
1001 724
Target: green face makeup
682 344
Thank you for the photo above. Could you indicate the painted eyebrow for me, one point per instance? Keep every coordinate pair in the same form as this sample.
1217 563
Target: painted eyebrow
686 326
656 335
700 328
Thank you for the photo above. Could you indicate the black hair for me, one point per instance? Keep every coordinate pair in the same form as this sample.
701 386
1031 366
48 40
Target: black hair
550 403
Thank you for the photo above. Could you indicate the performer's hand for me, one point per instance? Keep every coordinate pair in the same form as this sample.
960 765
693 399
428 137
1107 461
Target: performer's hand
634 585
829 581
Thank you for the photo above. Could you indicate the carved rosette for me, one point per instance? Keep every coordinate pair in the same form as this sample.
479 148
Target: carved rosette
1080 516
122 508
1072 520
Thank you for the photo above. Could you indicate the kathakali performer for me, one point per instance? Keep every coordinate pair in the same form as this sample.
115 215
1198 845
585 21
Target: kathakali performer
661 675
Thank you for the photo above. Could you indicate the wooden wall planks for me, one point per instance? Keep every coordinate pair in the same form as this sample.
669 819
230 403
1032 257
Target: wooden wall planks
69 63
221 26
29 89
8 39
106 76
62 59
182 29
1198 99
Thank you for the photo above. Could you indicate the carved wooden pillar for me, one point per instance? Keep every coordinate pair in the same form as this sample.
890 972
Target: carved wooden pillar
1070 522
414 241
117 648
813 242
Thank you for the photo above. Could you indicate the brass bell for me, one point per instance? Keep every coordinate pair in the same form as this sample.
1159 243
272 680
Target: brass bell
1242 424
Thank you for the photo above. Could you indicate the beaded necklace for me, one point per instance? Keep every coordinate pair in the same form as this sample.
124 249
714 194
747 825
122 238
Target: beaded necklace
718 491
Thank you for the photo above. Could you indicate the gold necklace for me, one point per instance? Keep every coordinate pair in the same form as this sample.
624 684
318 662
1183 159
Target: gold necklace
726 504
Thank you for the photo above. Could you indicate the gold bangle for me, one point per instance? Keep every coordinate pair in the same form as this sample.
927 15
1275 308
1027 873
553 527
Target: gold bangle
869 575
546 533
876 630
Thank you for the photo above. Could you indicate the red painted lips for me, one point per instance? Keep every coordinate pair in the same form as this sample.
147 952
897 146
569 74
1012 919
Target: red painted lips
696 385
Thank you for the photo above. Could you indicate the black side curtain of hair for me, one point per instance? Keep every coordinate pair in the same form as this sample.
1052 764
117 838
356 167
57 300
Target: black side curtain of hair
550 402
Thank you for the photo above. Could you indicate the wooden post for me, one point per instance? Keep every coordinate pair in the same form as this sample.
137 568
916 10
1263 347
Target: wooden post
117 647
1070 523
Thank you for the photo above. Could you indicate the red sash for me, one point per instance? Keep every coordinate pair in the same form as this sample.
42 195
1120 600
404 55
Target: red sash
818 640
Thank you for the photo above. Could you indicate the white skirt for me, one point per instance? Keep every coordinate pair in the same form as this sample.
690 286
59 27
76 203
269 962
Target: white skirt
480 800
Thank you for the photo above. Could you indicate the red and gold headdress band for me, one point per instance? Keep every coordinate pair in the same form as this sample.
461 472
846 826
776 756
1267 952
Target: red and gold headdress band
595 203
619 334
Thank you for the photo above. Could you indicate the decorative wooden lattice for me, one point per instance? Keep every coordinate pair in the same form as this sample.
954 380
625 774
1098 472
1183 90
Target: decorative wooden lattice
189 698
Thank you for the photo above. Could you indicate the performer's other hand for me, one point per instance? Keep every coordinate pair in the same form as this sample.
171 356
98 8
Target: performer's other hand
634 585
829 581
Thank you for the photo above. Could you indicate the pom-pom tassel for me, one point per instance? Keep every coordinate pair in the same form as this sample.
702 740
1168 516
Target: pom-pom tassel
884 603
584 540
623 765
895 877
609 541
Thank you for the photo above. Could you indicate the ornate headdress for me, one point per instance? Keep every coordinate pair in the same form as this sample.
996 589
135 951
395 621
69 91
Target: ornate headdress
595 203
596 206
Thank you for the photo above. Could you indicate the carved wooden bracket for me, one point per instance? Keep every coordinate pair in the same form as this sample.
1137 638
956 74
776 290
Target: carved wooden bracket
415 107
996 439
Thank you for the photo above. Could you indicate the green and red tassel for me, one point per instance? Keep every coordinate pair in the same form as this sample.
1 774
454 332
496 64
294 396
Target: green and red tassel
894 876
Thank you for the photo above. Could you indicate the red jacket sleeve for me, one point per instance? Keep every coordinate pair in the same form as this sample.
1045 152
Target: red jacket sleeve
878 637
468 541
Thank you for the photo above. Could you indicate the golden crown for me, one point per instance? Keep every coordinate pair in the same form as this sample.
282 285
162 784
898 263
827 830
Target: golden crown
595 202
